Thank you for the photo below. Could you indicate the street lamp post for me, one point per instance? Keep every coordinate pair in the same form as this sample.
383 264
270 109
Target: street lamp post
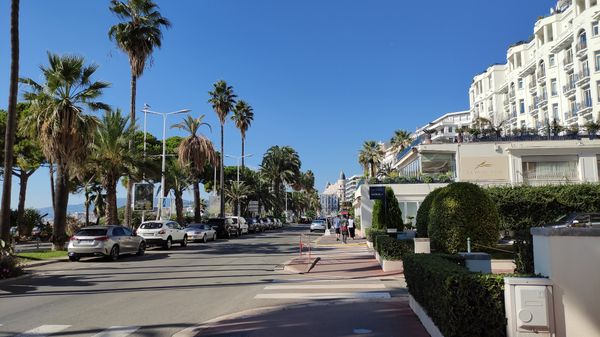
238 158
164 151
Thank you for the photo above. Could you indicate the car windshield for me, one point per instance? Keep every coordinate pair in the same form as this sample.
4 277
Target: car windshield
318 222
562 218
92 232
151 225
195 227
215 222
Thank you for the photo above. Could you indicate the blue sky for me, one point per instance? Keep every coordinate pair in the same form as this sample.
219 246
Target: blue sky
322 76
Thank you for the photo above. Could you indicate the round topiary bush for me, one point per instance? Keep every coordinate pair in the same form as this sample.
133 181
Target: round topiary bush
422 220
460 211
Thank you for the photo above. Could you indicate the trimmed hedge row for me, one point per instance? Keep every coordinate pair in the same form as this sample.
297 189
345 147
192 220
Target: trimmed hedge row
459 302
372 232
392 249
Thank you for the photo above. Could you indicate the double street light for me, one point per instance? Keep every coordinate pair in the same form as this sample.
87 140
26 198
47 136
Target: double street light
164 115
238 174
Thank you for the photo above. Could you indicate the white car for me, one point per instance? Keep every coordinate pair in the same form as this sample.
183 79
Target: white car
162 232
241 223
317 225
200 232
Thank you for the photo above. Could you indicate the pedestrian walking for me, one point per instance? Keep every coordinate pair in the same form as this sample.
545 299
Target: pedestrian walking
336 225
344 229
351 227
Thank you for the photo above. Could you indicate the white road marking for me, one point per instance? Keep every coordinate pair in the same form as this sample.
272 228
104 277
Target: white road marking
323 296
44 330
117 331
328 286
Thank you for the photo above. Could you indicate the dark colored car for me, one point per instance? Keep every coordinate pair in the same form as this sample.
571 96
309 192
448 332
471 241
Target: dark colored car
576 219
253 225
224 227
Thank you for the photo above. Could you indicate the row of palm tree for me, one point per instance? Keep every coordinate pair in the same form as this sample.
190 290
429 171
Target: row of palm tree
371 155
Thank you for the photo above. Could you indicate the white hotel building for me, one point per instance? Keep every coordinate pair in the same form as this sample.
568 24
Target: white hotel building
553 76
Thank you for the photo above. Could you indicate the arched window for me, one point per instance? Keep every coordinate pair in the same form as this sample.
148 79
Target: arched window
581 40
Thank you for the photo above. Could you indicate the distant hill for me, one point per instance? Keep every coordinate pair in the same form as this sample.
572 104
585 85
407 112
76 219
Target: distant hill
80 208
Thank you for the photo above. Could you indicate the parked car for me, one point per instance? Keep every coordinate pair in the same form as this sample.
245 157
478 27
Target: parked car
241 223
107 241
269 223
576 219
275 222
163 233
254 225
317 225
224 227
200 232
264 225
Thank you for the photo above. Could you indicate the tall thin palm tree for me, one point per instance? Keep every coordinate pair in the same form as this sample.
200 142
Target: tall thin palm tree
280 166
139 33
370 157
111 157
235 192
243 115
58 121
222 99
11 121
195 152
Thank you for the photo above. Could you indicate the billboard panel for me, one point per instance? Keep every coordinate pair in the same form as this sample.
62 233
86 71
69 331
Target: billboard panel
143 197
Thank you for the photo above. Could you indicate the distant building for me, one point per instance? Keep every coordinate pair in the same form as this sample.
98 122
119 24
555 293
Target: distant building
334 195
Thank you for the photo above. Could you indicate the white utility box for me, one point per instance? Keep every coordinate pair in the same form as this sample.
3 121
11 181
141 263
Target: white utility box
529 307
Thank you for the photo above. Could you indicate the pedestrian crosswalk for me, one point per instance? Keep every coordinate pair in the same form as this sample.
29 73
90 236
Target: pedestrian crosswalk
324 289
62 330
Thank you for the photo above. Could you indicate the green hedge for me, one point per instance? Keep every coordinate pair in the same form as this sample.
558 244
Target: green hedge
523 207
460 211
459 302
422 220
371 232
392 249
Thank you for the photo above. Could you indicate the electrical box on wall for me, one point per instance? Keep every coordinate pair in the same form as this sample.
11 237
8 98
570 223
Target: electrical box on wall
529 307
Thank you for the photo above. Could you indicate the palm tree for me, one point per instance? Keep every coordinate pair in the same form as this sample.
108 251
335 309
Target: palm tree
195 152
58 121
370 157
177 178
400 140
235 192
280 166
11 122
243 115
112 159
222 99
137 36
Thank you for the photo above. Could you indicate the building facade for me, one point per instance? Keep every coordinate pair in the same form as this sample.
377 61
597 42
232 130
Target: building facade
552 76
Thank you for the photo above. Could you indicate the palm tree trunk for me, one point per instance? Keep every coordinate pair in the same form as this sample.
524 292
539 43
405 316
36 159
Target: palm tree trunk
243 141
87 210
128 202
179 206
11 122
222 177
52 194
197 216
112 217
23 178
61 201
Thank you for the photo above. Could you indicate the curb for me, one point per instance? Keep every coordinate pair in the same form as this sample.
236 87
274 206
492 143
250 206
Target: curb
9 280
43 263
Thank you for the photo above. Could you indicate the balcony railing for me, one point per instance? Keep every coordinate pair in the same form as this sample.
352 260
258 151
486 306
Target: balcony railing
583 75
569 88
584 105
541 74
568 60
511 94
532 84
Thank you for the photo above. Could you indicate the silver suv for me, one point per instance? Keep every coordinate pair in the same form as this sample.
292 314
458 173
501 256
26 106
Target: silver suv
163 232
107 241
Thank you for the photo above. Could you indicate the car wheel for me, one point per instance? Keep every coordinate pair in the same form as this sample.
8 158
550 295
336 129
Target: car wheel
141 249
204 239
73 258
168 243
114 253
184 241
215 237
311 230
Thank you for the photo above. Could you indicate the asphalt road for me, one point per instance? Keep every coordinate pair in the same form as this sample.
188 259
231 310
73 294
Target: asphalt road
158 294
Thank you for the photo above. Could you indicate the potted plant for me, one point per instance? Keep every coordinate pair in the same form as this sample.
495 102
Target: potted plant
592 128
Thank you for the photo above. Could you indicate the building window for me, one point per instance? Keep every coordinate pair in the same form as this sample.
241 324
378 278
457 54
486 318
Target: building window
551 61
597 59
432 163
553 90
595 29
522 106
598 90
555 112
520 83
549 171
587 98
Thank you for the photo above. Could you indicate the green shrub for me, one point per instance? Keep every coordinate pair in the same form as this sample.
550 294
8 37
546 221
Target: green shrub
9 266
371 232
459 302
393 249
523 207
423 213
393 217
461 211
